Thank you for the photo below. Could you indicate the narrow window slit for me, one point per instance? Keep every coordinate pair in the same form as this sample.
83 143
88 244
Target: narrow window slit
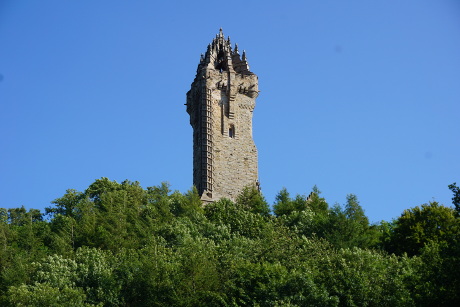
231 131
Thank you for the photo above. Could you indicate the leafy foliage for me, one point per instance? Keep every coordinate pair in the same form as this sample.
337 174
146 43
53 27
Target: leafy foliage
418 226
117 244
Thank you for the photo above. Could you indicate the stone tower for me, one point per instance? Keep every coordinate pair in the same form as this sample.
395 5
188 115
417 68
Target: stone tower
220 103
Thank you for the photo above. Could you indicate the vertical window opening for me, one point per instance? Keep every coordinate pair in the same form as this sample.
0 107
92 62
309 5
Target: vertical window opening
231 131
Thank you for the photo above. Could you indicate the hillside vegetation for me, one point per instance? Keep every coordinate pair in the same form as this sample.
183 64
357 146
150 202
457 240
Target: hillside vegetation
117 244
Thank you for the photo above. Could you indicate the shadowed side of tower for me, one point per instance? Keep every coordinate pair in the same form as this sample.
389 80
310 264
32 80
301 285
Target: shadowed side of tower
220 103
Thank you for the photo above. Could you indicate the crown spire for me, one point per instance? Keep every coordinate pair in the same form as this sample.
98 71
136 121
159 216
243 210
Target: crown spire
221 55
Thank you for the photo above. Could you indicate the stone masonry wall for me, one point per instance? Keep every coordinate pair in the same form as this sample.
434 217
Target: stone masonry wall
235 158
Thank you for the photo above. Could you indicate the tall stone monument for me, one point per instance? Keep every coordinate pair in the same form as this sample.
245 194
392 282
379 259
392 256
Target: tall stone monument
220 103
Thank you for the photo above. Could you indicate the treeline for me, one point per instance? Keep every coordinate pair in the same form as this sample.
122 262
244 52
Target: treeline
117 244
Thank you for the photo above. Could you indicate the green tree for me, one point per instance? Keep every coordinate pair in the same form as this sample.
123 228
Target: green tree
240 222
317 204
28 230
42 294
186 204
419 226
53 284
251 199
65 205
364 277
63 237
96 274
349 227
159 203
89 280
437 275
283 203
4 229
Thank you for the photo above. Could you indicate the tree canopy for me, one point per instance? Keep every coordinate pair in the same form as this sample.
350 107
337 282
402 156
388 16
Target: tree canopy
118 244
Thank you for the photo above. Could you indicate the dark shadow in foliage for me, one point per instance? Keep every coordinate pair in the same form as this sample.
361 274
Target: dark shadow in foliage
456 197
437 275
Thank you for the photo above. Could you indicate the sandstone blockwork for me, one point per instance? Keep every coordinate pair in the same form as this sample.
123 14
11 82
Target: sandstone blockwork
220 103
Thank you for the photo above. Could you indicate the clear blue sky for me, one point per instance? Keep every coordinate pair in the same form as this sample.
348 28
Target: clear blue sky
357 97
